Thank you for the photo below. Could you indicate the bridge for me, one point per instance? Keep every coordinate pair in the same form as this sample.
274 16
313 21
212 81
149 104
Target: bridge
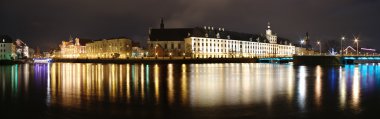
360 59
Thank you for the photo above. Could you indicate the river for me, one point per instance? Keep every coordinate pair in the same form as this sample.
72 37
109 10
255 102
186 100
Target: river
230 90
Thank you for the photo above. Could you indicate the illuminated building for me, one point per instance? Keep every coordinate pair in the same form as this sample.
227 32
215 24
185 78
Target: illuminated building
104 48
7 48
73 48
137 52
22 50
109 48
210 42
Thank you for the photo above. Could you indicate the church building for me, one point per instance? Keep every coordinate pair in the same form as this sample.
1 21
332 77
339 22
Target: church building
212 42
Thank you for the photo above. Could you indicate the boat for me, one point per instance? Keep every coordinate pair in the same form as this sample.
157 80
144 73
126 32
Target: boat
42 60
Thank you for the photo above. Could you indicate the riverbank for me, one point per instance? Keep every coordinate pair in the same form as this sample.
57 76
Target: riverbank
10 62
159 60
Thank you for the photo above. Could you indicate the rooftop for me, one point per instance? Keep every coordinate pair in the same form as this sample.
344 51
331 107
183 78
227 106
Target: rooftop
179 34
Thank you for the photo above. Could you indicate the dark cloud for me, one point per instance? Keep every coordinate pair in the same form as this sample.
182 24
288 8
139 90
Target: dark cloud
45 23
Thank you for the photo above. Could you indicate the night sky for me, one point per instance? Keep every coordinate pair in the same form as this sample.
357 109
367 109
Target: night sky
45 23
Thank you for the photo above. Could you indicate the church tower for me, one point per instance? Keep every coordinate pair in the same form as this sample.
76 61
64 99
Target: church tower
162 25
270 36
307 43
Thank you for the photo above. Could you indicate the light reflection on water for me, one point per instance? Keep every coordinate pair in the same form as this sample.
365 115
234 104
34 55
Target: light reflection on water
191 85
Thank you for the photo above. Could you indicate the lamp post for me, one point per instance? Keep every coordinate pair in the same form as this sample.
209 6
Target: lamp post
357 45
155 50
341 45
302 41
320 49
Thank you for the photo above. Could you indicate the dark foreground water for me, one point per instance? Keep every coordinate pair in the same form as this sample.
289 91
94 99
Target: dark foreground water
67 90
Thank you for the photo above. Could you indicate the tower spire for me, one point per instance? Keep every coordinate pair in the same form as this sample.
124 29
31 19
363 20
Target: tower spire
70 38
268 25
162 25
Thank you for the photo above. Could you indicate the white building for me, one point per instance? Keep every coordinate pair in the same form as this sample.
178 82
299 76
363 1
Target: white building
213 42
7 48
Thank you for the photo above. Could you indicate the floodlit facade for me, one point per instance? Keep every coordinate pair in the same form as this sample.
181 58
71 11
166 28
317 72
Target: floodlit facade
22 50
226 48
73 48
210 42
105 48
7 48
109 48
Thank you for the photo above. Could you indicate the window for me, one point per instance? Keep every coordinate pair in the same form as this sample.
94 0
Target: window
172 46
179 46
166 46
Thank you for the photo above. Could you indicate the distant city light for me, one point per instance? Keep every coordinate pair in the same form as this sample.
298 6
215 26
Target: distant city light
368 49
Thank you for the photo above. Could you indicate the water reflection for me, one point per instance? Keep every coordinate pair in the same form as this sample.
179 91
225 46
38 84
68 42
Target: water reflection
191 85
342 86
318 86
356 88
302 75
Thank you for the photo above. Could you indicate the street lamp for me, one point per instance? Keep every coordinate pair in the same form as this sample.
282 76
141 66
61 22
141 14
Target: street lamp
155 48
341 45
320 49
302 41
357 45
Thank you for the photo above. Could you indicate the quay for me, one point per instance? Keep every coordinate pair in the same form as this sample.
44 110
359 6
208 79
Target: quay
161 60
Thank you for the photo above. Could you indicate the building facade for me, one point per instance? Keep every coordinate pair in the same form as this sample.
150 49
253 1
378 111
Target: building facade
22 50
109 48
73 48
7 48
210 42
